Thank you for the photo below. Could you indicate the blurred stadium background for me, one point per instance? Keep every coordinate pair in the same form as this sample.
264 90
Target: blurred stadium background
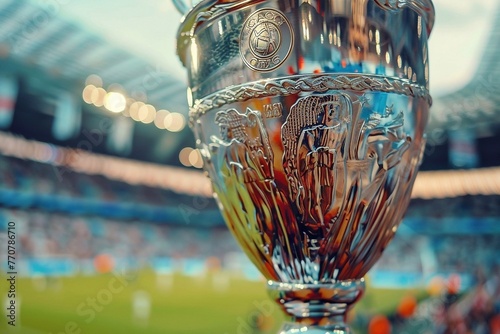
116 230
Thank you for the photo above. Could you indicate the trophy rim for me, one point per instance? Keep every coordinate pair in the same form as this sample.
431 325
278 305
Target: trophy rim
267 88
208 10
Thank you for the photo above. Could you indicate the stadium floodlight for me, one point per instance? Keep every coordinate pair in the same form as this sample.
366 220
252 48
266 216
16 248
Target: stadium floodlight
310 119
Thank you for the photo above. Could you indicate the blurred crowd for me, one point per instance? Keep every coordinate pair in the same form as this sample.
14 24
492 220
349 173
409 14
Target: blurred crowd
448 311
98 215
471 206
39 186
45 235
36 178
459 254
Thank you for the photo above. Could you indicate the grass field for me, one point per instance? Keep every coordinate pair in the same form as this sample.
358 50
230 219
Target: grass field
216 304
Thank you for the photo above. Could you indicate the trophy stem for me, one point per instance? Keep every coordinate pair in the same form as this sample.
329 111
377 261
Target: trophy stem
317 308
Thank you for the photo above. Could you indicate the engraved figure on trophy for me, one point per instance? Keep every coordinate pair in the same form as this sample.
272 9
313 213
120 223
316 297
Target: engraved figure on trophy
319 148
248 157
245 160
334 157
377 145
314 136
389 141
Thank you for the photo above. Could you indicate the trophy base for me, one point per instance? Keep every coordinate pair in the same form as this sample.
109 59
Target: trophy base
316 308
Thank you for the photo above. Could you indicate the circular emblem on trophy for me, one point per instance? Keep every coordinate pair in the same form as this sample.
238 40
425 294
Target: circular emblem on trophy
266 40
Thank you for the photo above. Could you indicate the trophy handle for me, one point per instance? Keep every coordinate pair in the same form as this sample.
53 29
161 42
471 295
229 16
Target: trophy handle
182 7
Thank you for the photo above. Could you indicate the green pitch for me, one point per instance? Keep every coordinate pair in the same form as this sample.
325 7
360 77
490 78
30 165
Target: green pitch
144 302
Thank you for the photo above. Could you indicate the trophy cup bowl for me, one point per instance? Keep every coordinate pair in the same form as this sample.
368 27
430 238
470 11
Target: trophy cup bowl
310 118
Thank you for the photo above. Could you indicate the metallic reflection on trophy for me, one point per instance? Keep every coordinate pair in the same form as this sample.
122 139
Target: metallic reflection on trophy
310 118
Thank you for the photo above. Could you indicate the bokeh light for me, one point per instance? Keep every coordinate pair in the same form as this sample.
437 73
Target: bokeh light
184 156
126 112
175 122
94 79
146 113
114 87
195 159
97 97
115 102
134 110
160 118
87 93
151 114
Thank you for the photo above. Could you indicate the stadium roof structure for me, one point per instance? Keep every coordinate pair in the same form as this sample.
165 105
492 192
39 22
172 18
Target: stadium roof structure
42 36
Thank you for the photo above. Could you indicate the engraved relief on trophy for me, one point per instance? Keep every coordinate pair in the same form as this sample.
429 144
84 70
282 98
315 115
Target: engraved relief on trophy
266 40
253 202
331 151
248 152
338 148
313 136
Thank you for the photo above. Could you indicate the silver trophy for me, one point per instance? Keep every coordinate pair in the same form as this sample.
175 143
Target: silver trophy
310 118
